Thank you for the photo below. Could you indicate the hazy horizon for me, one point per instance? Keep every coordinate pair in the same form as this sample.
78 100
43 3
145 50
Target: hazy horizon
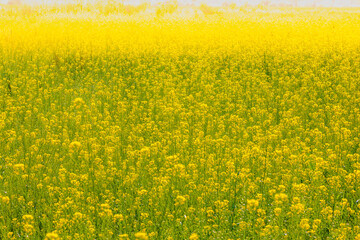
325 3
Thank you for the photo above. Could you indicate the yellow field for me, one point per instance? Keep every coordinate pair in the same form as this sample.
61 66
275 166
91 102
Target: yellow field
224 126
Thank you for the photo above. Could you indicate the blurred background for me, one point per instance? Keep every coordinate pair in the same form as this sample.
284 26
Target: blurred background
294 3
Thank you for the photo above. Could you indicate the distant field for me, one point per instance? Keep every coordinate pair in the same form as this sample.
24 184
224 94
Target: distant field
238 125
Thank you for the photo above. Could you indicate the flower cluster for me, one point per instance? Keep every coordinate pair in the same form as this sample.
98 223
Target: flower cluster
220 127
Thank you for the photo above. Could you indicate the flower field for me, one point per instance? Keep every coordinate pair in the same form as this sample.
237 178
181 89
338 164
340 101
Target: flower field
224 126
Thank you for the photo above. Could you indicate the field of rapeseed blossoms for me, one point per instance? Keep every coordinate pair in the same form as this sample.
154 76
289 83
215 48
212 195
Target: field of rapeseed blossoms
217 126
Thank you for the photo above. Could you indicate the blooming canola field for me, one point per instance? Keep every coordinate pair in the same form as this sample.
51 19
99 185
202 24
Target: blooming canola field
225 126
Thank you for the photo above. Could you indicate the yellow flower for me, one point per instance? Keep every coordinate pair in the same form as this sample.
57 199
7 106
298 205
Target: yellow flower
281 198
52 236
28 218
194 236
78 215
304 224
316 224
75 145
19 166
5 200
252 204
180 200
277 211
78 101
141 236
122 236
28 228
297 208
119 217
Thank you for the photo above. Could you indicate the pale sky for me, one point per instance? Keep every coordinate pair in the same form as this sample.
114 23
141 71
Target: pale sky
329 3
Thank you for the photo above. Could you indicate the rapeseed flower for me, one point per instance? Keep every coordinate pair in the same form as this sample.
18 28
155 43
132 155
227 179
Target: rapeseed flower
149 124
